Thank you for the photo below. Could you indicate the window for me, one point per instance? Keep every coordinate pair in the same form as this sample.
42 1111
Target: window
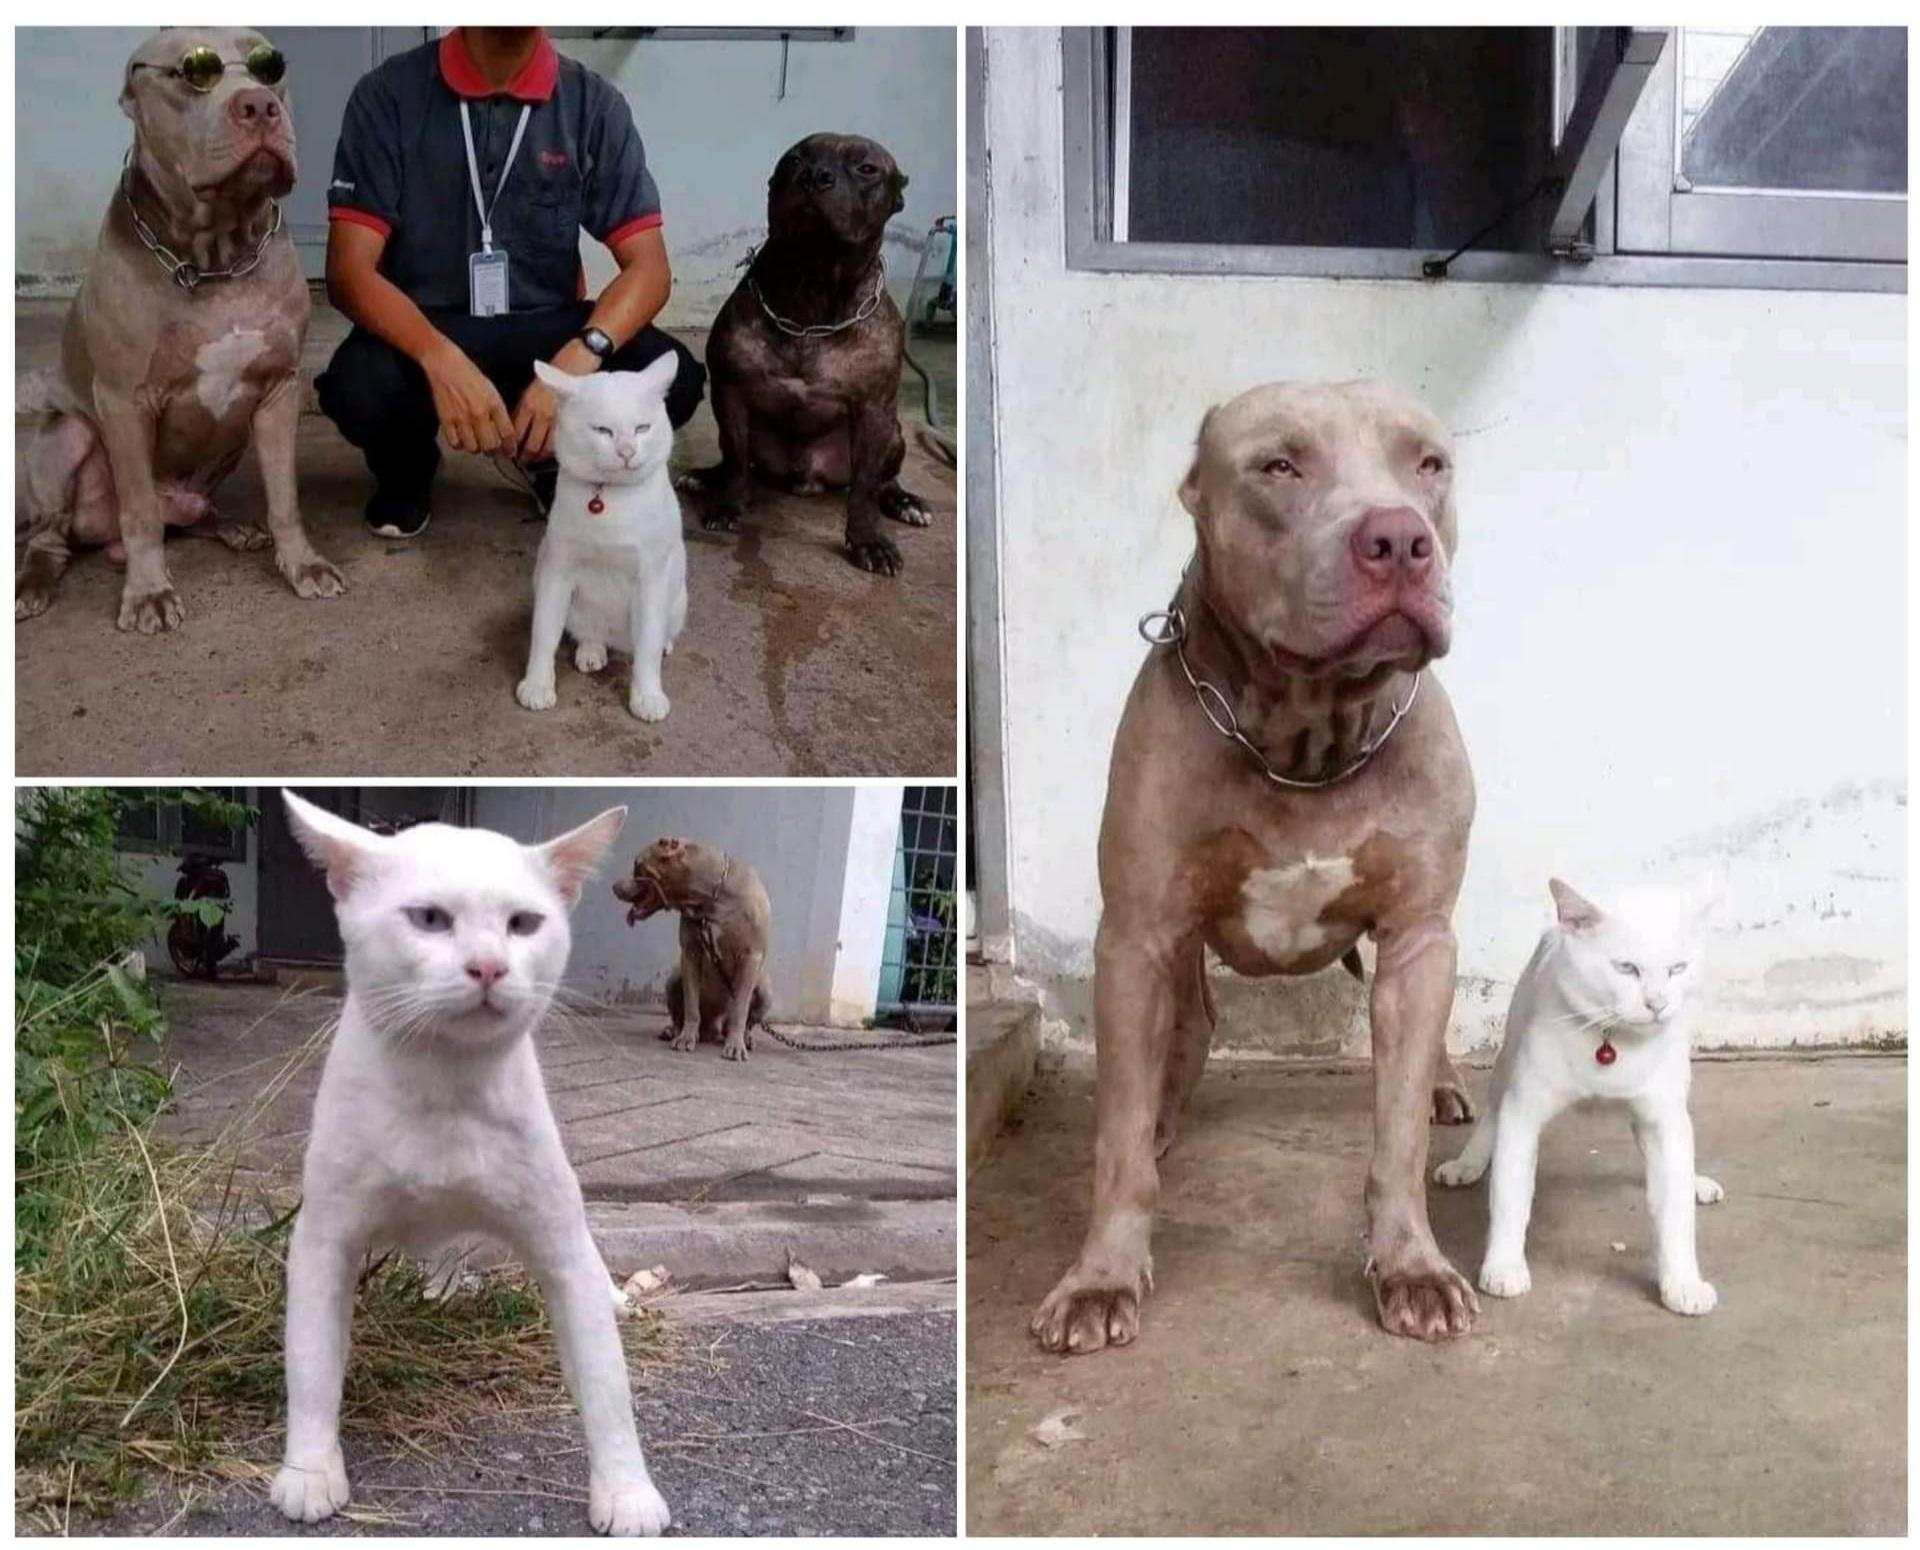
1745 156
919 964
154 821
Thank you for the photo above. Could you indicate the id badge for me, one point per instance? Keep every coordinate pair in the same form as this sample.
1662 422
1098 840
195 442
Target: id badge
487 283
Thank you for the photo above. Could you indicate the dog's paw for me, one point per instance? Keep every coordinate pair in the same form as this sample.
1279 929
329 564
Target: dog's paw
735 1049
649 704
1451 1104
535 695
876 554
1509 1278
30 602
686 1039
241 537
313 577
723 516
589 658
1089 1311
1688 1294
306 1493
904 506
1458 1173
627 1507
1428 1300
151 612
1706 1191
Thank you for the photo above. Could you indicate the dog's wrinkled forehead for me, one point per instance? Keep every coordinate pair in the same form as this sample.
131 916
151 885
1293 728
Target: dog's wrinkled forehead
843 150
163 50
1325 416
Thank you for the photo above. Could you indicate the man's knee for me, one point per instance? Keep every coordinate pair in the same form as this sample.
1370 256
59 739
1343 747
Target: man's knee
689 377
372 392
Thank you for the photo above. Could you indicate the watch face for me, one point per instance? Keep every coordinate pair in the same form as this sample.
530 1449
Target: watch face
596 341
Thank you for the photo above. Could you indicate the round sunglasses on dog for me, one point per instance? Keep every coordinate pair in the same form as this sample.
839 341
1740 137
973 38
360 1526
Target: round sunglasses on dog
202 67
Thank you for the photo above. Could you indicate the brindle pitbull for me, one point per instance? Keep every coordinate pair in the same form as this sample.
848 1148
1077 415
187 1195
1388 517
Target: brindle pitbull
726 921
804 358
1317 595
184 339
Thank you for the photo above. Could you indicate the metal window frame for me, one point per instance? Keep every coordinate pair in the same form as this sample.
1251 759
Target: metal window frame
170 822
939 804
1658 214
1091 245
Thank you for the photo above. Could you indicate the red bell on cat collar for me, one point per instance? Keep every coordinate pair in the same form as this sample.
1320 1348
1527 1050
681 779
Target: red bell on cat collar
1606 1054
594 503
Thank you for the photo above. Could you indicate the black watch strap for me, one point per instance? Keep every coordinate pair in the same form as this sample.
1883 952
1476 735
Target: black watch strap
597 342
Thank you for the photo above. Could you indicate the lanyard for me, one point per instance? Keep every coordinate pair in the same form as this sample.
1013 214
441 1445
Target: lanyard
473 171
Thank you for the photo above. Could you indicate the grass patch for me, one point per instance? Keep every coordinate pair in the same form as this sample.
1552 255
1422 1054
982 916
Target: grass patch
148 1330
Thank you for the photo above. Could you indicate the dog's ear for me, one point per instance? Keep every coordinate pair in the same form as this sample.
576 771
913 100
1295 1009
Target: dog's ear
1576 913
345 851
1190 491
563 383
570 860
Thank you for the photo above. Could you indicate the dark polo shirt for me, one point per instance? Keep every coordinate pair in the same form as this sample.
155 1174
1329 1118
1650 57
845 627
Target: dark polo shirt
401 169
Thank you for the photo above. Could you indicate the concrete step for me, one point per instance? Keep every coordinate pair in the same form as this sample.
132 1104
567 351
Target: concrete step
838 1236
1003 1047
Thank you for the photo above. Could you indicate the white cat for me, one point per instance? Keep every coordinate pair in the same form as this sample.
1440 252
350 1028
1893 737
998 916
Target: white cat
612 570
1600 1012
432 1124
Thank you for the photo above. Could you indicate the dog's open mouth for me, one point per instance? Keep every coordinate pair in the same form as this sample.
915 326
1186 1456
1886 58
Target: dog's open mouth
644 898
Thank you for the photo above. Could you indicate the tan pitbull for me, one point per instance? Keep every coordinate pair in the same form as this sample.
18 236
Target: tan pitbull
726 923
1317 596
184 339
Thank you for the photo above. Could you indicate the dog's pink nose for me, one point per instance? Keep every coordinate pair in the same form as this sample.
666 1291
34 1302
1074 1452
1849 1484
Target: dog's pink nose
1393 542
488 971
254 107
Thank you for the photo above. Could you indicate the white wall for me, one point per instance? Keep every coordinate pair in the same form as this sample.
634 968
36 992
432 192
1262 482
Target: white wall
797 838
707 111
1680 589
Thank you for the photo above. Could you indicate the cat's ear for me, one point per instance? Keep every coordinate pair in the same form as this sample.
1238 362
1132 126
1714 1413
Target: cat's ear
1576 914
563 383
657 378
571 859
344 850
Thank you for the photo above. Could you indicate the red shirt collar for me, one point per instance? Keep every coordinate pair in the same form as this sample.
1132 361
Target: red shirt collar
534 83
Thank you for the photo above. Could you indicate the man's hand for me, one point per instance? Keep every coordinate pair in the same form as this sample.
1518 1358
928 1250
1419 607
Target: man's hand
473 417
533 416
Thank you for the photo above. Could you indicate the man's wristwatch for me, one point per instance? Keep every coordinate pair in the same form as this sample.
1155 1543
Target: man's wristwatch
597 342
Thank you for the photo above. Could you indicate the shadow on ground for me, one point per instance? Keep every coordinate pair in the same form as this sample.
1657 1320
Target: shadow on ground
793 661
1262 1398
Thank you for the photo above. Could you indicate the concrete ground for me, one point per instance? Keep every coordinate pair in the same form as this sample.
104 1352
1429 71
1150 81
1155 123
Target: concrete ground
793 661
1262 1398
841 1426
710 1167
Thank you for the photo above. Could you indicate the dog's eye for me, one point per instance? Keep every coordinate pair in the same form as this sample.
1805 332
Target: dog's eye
430 917
525 922
1433 464
604 430
866 169
1280 468
1621 966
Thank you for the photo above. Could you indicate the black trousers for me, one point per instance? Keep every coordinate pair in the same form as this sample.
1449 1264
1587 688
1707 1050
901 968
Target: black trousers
381 402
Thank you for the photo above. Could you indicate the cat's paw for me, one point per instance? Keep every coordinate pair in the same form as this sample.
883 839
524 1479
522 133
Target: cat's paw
685 1039
1458 1173
1688 1294
589 658
735 1049
649 704
1707 1191
1506 1279
627 1507
536 696
306 1493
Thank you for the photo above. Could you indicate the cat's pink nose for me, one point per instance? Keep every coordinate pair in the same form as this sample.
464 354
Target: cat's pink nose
488 971
626 449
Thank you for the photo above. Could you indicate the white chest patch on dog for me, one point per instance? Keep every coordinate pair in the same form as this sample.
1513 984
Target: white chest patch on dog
223 364
1283 904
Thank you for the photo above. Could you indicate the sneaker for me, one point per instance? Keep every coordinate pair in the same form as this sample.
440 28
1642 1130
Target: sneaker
397 516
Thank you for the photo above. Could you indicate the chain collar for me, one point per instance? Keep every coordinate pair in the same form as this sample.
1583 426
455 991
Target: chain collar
816 330
1168 627
184 274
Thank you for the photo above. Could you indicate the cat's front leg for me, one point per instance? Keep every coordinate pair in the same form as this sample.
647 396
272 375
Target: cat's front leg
1664 1130
552 593
1516 1150
651 598
321 1261
745 976
621 1498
